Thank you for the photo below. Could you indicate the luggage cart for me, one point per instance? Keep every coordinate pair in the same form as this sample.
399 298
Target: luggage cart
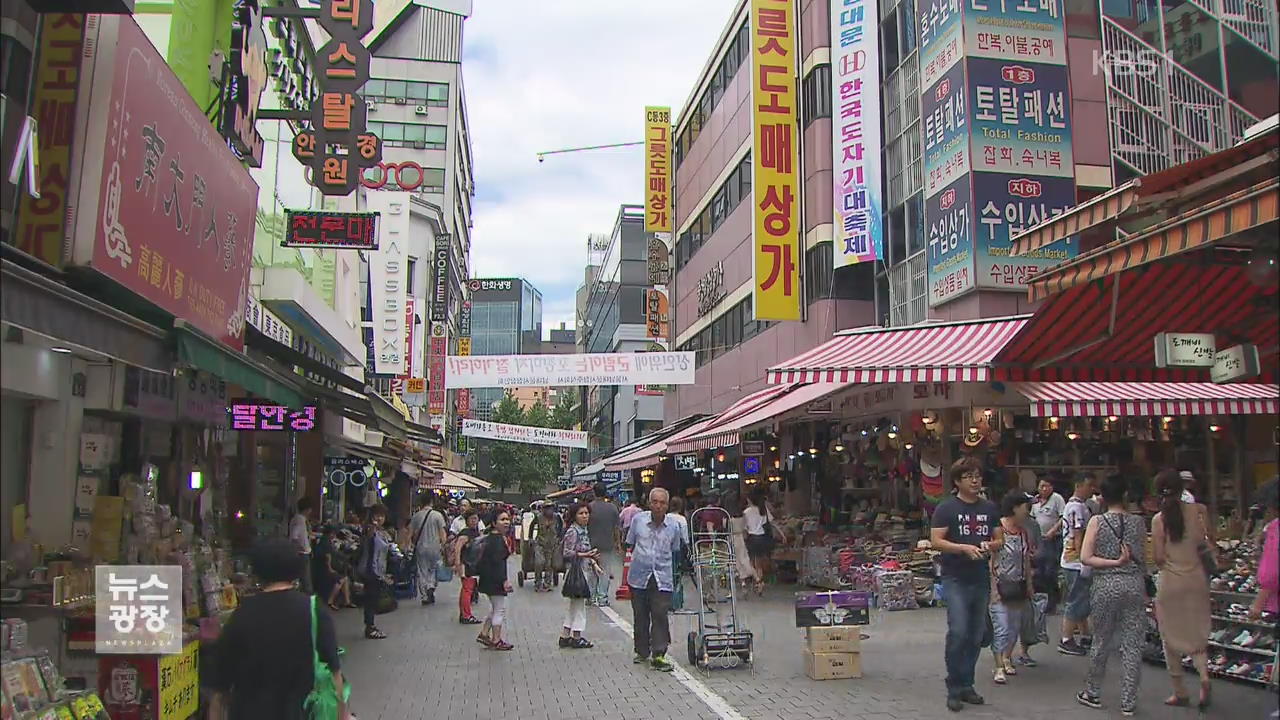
720 640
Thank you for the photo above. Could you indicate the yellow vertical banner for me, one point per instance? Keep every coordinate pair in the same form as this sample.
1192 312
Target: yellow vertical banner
775 163
657 169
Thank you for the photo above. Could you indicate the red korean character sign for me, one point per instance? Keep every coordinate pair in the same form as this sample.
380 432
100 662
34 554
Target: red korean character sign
775 183
657 169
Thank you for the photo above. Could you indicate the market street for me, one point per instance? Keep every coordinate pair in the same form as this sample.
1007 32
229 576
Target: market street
430 667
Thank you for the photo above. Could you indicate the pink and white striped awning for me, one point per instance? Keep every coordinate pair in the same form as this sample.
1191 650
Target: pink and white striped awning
728 432
1128 399
955 352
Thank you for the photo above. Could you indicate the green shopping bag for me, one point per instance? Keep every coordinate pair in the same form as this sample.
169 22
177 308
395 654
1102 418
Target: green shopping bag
322 701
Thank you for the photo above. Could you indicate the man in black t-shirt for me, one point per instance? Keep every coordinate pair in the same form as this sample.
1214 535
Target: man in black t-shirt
966 529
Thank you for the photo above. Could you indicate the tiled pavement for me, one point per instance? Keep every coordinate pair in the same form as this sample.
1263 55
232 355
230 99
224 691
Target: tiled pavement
431 667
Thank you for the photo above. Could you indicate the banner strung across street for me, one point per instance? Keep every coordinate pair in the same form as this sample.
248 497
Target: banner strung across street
524 434
646 368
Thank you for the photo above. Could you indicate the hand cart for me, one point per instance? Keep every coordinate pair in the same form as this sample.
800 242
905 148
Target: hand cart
720 640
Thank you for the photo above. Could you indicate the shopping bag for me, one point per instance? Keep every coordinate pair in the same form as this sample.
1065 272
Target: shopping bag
322 702
575 582
1033 630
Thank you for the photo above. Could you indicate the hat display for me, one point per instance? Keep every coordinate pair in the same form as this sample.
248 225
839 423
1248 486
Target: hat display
973 439
930 468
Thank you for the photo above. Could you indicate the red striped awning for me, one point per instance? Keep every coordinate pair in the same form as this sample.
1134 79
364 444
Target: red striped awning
939 352
1128 399
729 431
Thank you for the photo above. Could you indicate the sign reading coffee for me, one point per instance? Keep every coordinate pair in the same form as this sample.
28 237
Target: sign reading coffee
330 229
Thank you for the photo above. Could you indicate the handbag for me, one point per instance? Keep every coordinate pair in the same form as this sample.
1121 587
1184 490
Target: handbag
322 702
444 573
1011 590
575 584
1033 631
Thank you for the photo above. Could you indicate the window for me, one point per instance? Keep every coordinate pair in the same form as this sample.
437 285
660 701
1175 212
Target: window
889 40
431 137
416 93
819 268
719 208
375 88
732 188
735 189
396 89
438 92
719 80
907 24
410 271
817 94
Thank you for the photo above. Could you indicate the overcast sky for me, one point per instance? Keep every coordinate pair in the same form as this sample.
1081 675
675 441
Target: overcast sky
568 73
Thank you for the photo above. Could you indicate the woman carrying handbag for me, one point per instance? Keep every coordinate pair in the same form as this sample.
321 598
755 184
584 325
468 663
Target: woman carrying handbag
1011 591
578 553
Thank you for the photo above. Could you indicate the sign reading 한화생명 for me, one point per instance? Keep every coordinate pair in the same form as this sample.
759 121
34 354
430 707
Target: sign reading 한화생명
855 103
330 229
642 368
167 210
775 181
524 434
657 169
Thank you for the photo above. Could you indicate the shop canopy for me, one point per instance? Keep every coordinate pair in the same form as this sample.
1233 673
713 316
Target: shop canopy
578 490
1126 399
454 480
727 430
932 352
197 350
640 447
1148 200
653 452
482 484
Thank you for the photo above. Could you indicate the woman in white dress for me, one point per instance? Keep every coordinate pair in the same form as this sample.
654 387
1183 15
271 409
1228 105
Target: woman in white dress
738 532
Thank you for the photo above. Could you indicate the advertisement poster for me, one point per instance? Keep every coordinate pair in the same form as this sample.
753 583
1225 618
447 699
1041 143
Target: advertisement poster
945 119
949 219
1020 117
775 166
524 434
858 234
642 368
1026 30
941 38
1008 205
657 169
175 208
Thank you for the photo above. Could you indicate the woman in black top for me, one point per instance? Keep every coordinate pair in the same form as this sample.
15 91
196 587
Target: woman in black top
492 570
467 572
264 666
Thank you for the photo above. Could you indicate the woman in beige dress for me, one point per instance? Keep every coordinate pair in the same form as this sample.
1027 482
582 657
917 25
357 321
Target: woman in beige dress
1182 602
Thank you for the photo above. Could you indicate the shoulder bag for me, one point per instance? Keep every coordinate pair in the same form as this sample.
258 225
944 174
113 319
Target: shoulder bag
322 702
1011 590
1149 583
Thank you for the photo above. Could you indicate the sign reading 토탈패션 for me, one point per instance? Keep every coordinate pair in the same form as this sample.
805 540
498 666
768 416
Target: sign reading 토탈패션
524 434
138 609
642 368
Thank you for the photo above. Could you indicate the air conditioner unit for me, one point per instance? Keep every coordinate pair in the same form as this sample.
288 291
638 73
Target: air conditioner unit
399 101
420 110
373 107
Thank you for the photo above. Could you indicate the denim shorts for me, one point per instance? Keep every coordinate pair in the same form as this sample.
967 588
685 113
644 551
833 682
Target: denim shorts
1077 595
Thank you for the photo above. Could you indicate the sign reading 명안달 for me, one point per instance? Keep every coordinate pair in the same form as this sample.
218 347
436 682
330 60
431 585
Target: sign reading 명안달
524 434
642 368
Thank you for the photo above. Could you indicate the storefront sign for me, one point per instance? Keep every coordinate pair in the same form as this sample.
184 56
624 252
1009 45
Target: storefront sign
1021 115
388 284
414 390
249 414
139 609
440 273
1185 350
330 229
464 346
486 285
661 368
294 84
656 308
464 325
752 447
524 434
1015 30
244 81
950 242
340 471
1012 204
202 398
337 149
941 38
855 129
150 394
751 464
657 170
437 397
42 216
711 288
173 206
775 186
267 322
685 462
944 112
659 262
1235 363
179 680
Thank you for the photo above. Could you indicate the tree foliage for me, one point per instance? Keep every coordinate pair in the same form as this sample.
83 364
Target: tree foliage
525 467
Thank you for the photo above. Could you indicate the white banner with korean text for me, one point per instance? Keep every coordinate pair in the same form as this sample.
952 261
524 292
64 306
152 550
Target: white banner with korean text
645 368
524 434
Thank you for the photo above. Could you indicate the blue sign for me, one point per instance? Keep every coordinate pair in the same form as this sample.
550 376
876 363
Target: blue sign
949 219
1020 30
941 38
1021 118
1005 206
945 118
751 465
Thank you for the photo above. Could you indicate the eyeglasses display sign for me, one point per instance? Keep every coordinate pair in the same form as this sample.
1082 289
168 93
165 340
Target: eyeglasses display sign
340 471
257 415
330 229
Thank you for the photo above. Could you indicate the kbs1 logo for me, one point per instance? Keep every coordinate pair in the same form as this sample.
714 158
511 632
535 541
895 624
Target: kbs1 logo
1126 63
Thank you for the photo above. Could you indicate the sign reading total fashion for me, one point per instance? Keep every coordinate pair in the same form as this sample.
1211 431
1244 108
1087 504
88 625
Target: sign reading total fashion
775 181
524 434
856 143
657 169
330 229
643 368
388 282
167 210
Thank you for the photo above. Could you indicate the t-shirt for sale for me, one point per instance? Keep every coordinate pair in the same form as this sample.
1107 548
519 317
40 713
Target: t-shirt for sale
1075 517
967 524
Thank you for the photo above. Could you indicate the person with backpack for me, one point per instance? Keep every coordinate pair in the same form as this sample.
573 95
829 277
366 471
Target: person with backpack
465 557
375 548
491 565
428 531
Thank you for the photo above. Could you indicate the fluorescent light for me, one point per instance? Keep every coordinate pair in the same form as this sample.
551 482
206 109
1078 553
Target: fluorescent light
197 480
60 349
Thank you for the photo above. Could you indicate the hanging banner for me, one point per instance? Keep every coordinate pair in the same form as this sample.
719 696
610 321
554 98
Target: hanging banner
524 434
642 368
775 181
657 169
437 397
858 234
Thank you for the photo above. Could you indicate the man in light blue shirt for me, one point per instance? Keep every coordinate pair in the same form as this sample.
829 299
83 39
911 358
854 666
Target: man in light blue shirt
653 537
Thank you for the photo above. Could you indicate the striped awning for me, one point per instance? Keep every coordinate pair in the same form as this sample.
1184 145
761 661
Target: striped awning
1129 399
1195 229
728 432
939 352
1083 217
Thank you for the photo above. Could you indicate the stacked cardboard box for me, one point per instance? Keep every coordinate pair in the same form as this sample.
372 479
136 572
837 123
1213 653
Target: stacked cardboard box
833 653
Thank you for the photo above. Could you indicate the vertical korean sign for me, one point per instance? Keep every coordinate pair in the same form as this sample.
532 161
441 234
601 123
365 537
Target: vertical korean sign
856 141
775 185
413 389
437 395
657 169
41 223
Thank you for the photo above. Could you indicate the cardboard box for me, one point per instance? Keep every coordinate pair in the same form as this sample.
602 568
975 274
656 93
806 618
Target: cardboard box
832 666
840 607
836 639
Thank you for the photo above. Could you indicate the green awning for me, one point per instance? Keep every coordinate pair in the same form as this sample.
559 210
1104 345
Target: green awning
197 350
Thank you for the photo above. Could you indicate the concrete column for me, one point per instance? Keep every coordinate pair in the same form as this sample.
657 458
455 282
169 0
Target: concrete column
55 458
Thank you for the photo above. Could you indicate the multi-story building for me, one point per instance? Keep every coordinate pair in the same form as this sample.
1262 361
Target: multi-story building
506 319
612 320
1169 82
560 341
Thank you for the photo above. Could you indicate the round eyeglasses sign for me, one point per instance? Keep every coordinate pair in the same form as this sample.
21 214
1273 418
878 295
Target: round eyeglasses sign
407 175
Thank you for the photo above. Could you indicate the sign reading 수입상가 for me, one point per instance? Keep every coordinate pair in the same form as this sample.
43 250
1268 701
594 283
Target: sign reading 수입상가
641 368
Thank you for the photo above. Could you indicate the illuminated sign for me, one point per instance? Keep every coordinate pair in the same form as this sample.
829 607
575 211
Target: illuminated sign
330 229
245 79
259 415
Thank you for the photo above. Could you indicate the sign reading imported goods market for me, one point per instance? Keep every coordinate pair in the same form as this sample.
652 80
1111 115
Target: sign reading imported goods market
855 90
330 229
775 182
524 434
645 368
657 170
166 209
336 148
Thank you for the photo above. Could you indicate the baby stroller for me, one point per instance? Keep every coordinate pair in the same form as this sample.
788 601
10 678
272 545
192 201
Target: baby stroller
720 638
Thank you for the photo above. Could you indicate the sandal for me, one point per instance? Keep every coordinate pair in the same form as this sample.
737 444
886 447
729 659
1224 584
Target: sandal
374 633
334 607
581 643
484 640
1177 701
502 645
